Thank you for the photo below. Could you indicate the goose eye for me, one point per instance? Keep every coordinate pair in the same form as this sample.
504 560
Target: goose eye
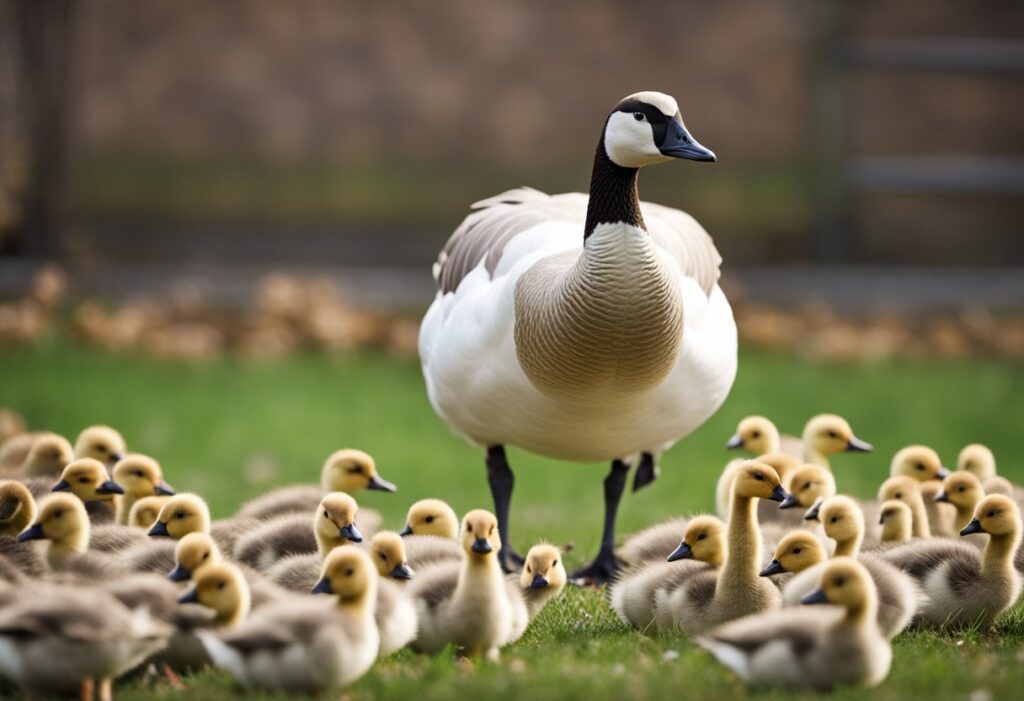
991 514
101 448
491 532
58 514
899 495
759 477
355 470
83 480
529 569
796 551
429 519
220 585
180 514
349 572
961 488
756 434
839 581
807 485
702 536
138 473
833 519
382 556
326 515
555 563
469 527
833 434
638 116
920 466
206 555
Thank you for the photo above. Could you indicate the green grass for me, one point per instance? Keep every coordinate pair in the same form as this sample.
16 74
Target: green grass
223 428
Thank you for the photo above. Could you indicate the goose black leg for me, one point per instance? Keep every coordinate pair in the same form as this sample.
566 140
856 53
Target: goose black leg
605 565
501 479
646 472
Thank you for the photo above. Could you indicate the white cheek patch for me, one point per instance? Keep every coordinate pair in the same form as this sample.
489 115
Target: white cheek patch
630 143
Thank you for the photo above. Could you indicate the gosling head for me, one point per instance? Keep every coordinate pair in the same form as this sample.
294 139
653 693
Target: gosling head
480 538
756 479
101 443
543 568
977 459
905 489
795 553
646 128
17 507
828 434
431 517
841 518
193 552
808 485
996 515
348 574
140 476
961 489
918 462
180 515
88 480
703 540
785 465
755 434
223 588
352 471
62 520
336 519
896 520
144 512
48 455
388 552
844 583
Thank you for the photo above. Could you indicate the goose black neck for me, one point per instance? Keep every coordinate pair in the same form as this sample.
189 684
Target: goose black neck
614 196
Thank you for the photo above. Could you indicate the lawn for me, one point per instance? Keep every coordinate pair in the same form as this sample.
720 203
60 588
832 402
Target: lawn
231 429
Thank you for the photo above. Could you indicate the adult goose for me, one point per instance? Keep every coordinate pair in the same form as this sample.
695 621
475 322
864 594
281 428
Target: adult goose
582 328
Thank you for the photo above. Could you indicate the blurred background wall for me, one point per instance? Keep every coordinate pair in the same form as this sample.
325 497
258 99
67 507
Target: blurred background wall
177 136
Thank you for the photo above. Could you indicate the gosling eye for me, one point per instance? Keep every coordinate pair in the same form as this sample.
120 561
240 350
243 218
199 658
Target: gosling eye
206 555
756 434
834 519
101 448
221 584
58 513
529 569
555 563
138 473
349 572
899 495
469 527
961 488
833 434
702 536
639 116
920 466
991 514
326 515
796 551
180 514
83 480
357 470
382 556
491 532
807 485
759 477
429 519
839 581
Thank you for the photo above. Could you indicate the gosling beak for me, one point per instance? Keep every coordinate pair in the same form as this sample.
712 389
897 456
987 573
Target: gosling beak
381 485
856 445
882 517
179 574
773 567
33 532
482 546
165 490
189 597
734 442
778 494
322 587
943 472
62 486
789 502
973 527
406 531
941 496
815 597
539 582
116 457
350 532
812 513
679 144
110 487
683 552
159 528
402 571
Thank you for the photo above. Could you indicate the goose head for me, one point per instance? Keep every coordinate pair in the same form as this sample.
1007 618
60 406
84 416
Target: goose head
827 434
795 553
978 459
17 507
785 465
961 489
543 568
335 521
480 539
646 128
432 517
703 540
844 583
896 520
192 552
88 480
101 443
919 462
63 521
351 471
758 480
808 485
140 476
144 512
997 515
755 434
48 455
222 588
180 515
901 488
349 575
841 519
388 552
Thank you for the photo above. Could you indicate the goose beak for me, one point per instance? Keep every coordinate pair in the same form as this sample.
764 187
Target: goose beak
350 532
165 490
812 513
159 528
381 485
683 552
773 567
33 532
789 502
402 571
815 597
62 486
941 496
116 458
881 519
322 587
778 494
189 597
110 487
973 527
943 472
856 445
179 574
406 531
482 546
679 143
734 442
539 582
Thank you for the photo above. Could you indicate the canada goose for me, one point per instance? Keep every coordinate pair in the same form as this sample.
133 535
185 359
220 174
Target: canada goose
828 434
896 520
784 466
17 507
802 648
797 551
195 551
307 645
963 490
808 485
980 460
712 598
431 533
964 586
64 640
188 513
101 443
757 435
543 577
48 456
388 552
347 470
88 479
221 587
144 512
588 323
918 461
908 490
632 594
139 476
469 604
